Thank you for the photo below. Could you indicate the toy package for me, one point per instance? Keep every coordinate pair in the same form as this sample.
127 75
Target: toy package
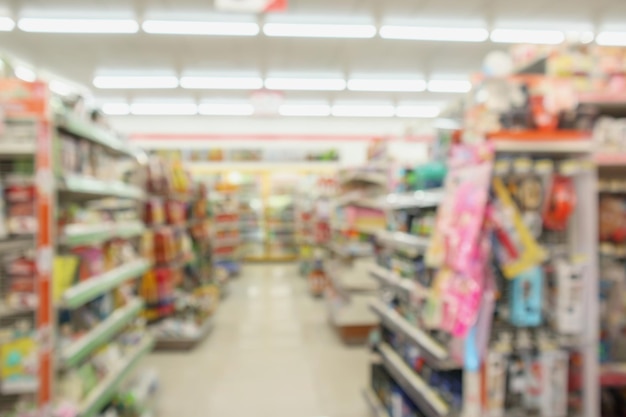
526 295
460 217
569 300
516 249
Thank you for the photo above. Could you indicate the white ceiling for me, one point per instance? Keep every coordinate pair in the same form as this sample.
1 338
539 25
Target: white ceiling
80 57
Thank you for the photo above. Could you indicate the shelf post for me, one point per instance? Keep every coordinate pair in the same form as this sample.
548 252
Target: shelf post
44 203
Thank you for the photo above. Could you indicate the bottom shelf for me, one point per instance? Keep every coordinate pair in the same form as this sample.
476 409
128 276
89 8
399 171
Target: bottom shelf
107 388
185 343
412 384
377 407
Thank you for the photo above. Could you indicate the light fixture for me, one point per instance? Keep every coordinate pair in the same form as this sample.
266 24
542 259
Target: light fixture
60 88
78 25
417 111
174 27
449 86
116 109
423 33
226 109
320 30
222 83
363 111
540 37
386 85
25 74
6 24
304 110
135 82
312 84
607 38
163 109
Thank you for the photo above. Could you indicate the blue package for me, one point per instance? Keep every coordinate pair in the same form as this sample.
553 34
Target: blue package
525 298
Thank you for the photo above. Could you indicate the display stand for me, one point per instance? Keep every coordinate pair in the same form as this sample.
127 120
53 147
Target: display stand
407 288
349 291
186 298
74 176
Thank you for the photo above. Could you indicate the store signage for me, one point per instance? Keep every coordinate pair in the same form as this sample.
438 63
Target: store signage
251 6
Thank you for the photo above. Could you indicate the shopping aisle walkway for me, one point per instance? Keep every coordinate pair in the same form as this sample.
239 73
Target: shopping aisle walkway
271 354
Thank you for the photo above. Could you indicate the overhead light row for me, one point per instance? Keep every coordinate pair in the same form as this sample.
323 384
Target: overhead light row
246 109
275 83
307 30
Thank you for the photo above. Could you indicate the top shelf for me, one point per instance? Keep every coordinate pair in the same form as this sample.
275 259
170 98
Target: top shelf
77 126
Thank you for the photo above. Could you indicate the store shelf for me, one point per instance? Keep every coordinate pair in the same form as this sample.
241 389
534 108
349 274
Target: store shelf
349 251
185 343
87 187
562 146
107 388
88 290
413 385
7 311
613 375
99 335
388 278
12 244
377 408
605 102
610 159
79 234
13 149
78 126
435 354
21 387
409 244
374 178
415 199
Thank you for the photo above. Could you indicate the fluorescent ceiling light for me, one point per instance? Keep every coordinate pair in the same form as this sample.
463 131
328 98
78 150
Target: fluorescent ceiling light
319 110
417 111
611 38
163 109
25 74
420 33
449 86
363 111
313 84
386 85
226 109
173 27
307 30
222 83
116 109
541 37
78 25
134 82
60 88
6 24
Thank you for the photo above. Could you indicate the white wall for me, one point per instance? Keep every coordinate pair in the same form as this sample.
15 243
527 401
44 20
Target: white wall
349 136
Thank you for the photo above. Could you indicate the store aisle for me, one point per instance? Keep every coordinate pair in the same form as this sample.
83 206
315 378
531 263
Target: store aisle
271 354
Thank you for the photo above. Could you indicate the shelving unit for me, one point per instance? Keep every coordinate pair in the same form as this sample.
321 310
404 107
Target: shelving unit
359 213
56 186
187 292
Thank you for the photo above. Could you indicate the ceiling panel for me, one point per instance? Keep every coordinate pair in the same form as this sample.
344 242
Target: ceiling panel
80 57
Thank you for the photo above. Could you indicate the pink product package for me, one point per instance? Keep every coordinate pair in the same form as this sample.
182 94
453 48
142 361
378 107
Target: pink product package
468 211
461 215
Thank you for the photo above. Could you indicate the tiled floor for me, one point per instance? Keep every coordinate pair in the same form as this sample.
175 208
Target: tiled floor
272 353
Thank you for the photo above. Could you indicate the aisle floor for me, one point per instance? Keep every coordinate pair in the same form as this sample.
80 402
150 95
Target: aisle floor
272 353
